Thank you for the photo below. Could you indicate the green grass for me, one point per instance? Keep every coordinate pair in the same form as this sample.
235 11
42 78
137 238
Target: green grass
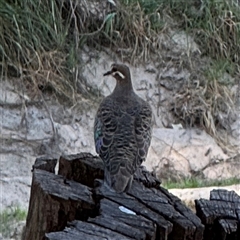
214 24
40 41
9 217
217 95
215 27
193 182
34 41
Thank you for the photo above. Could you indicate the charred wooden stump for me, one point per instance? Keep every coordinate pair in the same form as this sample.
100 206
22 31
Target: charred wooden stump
54 201
220 215
76 204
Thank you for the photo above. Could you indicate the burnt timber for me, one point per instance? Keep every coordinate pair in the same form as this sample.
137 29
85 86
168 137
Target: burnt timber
75 204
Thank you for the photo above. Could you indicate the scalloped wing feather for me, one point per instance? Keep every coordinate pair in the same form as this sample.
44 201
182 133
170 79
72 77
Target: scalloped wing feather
122 135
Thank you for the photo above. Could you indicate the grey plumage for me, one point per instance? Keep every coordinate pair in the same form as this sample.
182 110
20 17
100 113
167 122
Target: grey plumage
122 131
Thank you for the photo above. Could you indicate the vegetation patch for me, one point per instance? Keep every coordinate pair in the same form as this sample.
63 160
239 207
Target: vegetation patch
9 218
40 42
194 182
213 23
34 45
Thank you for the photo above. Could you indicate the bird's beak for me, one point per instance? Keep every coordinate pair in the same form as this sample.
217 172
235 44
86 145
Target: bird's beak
107 73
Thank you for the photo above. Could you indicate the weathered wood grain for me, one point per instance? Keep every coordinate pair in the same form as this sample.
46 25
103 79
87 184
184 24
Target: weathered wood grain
132 203
224 195
83 168
110 208
78 230
45 163
76 204
229 226
220 215
209 211
55 201
148 179
118 226
185 223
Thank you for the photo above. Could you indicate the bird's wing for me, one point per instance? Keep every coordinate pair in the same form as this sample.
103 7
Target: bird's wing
110 143
104 128
143 132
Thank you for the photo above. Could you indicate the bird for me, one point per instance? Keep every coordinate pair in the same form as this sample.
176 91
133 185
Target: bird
122 131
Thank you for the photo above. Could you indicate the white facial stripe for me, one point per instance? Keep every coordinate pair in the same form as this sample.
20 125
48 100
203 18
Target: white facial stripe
119 73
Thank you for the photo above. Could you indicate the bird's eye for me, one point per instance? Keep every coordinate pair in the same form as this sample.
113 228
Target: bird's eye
114 69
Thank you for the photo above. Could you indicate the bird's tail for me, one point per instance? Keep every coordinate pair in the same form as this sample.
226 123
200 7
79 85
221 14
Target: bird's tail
120 181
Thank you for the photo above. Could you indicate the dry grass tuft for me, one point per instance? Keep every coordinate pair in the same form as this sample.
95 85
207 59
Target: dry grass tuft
34 46
40 41
214 25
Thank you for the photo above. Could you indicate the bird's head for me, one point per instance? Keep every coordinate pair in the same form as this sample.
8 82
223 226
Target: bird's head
120 72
